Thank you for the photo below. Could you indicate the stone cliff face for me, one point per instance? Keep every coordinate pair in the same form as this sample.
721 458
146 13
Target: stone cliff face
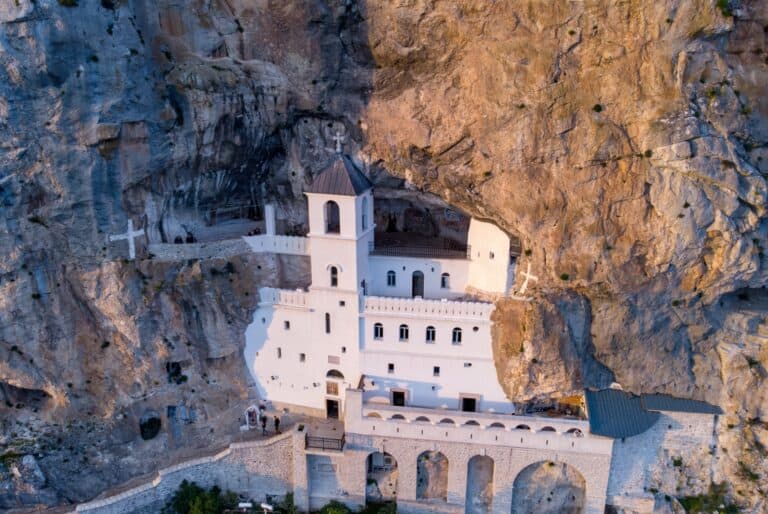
624 142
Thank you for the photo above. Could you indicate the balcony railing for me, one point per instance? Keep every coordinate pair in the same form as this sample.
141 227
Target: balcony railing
444 250
324 443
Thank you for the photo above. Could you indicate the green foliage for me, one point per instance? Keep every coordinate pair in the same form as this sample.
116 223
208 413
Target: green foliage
597 108
746 472
564 276
334 507
677 462
379 508
68 3
648 153
725 7
190 498
712 501
288 506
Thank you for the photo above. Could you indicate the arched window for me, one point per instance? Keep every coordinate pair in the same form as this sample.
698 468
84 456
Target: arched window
430 334
403 332
327 323
378 331
391 278
334 276
445 281
332 218
456 336
365 212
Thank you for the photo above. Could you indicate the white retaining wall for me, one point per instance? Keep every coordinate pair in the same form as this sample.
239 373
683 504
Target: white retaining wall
291 245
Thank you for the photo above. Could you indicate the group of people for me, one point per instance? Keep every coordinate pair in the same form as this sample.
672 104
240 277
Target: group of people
264 424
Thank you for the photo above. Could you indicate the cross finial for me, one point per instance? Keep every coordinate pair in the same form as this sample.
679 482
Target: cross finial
339 140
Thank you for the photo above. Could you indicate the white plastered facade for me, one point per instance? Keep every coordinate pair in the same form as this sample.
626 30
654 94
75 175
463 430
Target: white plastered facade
301 343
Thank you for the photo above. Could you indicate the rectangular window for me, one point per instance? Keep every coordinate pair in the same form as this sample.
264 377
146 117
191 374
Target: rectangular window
334 359
287 325
378 331
391 280
327 323
279 353
332 388
302 357
342 303
391 367
436 371
467 364
430 334
403 332
343 349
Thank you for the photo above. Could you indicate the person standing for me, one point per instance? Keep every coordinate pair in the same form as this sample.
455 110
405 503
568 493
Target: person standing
277 425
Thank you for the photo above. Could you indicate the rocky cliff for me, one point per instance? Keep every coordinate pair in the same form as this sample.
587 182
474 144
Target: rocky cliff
623 142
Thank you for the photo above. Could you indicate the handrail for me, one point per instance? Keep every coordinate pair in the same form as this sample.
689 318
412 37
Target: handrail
324 443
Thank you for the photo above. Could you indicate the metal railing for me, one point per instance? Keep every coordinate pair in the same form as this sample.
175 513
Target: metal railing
324 443
412 250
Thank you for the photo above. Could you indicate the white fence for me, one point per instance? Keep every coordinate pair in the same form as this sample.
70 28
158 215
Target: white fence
291 245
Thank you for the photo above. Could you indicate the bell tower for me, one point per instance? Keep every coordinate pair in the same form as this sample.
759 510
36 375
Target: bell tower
340 205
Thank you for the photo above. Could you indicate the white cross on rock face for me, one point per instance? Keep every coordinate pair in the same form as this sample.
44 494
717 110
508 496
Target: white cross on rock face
130 234
528 276
339 140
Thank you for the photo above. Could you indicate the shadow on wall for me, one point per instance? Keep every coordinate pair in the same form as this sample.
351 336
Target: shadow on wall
381 393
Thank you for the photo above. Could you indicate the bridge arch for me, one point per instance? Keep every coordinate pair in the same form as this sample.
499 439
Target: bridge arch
479 497
381 475
432 476
548 487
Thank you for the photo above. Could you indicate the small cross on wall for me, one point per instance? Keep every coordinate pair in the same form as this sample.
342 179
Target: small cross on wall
339 139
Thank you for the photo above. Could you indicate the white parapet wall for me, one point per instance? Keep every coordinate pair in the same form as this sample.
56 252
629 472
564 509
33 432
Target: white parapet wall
283 297
289 245
427 308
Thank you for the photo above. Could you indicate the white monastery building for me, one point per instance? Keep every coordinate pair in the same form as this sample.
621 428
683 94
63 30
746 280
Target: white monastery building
404 320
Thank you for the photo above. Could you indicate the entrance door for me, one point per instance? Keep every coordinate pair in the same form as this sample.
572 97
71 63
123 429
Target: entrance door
468 404
332 409
417 284
398 398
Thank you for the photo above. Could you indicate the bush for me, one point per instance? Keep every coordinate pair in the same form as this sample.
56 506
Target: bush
564 276
334 507
597 108
190 498
713 501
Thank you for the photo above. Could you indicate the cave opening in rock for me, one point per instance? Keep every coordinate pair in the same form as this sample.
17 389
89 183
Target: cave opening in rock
149 425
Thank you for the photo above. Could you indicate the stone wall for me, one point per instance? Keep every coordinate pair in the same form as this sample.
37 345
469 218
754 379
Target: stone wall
656 459
253 469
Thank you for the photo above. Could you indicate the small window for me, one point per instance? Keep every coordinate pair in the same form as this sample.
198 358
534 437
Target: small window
467 364
378 331
332 388
430 336
302 357
343 349
332 218
342 303
334 276
436 371
475 329
365 212
403 332
491 255
445 281
456 336
327 323
279 353
391 278
287 325
391 367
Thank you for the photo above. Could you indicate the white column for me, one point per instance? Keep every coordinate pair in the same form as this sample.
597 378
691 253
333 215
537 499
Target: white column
269 218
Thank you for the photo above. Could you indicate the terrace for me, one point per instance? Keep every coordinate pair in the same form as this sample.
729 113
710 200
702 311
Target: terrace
406 244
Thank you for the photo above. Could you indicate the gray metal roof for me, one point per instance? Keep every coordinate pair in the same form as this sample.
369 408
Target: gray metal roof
614 413
340 177
665 402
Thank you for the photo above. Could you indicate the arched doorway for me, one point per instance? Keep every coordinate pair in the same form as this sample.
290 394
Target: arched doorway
380 478
432 476
549 488
479 498
333 390
417 284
